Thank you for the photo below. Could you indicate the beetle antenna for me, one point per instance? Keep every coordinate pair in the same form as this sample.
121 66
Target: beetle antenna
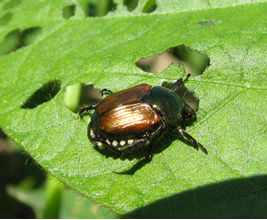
179 82
187 77
193 140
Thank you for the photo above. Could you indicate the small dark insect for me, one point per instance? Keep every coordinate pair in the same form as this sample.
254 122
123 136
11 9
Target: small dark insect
135 117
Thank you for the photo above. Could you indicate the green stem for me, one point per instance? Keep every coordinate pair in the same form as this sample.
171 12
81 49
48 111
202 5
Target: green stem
54 191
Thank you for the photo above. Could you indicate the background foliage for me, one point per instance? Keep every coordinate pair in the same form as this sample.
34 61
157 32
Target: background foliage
46 46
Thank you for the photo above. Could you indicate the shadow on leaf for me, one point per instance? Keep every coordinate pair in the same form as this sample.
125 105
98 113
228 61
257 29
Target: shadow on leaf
237 198
42 95
18 39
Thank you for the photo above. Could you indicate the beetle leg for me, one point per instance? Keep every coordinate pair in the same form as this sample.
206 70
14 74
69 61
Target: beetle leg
193 140
106 91
150 154
118 153
86 109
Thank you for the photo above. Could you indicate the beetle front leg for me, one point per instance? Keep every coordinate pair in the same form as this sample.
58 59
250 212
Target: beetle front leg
149 157
106 91
193 140
86 109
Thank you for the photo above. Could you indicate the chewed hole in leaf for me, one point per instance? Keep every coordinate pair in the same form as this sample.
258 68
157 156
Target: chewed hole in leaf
6 18
157 62
44 94
12 4
29 35
68 11
10 43
150 6
130 4
98 8
80 95
193 61
17 39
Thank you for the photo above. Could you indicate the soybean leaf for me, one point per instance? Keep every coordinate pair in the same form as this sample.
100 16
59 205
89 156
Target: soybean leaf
43 51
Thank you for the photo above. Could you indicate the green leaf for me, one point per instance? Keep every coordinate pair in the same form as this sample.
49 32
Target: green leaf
102 51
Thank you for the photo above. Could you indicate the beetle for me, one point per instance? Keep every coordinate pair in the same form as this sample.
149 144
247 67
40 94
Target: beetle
135 117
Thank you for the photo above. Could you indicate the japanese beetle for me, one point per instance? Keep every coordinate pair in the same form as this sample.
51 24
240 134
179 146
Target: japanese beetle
135 117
